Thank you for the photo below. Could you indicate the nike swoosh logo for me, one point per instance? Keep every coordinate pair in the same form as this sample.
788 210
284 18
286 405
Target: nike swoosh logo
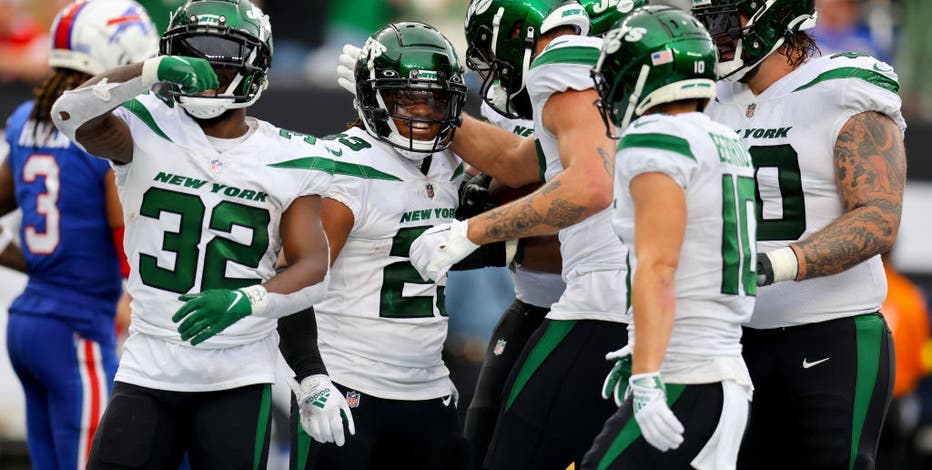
640 123
807 364
446 400
335 153
239 295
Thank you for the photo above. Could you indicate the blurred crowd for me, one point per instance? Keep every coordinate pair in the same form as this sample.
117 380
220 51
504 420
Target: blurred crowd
310 34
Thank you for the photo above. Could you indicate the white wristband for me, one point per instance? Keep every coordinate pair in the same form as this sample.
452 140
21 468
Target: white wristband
256 294
784 263
5 239
150 71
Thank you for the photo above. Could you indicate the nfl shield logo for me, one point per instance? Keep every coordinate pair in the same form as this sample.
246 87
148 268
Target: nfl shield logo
499 347
750 111
430 190
352 398
216 167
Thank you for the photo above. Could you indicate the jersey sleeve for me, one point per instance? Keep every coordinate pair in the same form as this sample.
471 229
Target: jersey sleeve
565 64
655 147
349 191
869 85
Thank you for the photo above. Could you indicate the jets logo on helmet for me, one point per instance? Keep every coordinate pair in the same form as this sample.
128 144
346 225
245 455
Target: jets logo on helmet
409 89
604 14
652 58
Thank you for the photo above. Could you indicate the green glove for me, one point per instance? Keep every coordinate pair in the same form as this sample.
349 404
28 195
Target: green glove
616 382
210 312
194 75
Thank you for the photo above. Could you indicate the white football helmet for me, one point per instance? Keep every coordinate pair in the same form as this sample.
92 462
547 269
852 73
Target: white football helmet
93 36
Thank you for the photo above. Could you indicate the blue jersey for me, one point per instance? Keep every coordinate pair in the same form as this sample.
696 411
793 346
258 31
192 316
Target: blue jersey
72 265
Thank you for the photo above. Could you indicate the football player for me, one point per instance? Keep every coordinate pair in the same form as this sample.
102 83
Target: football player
61 331
211 198
381 326
685 191
536 272
535 58
826 137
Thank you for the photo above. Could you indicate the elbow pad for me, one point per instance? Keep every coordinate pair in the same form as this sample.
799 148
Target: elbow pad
76 107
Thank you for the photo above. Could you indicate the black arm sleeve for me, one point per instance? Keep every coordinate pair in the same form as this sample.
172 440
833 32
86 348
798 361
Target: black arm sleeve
298 343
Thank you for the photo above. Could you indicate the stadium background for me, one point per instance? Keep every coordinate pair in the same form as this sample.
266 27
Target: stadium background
303 96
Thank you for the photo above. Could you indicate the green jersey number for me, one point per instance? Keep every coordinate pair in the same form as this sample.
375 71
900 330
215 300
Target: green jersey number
793 223
738 265
393 303
184 243
352 142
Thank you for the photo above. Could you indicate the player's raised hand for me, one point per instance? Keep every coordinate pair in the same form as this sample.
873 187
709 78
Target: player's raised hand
323 409
616 382
194 75
658 424
346 70
207 313
436 250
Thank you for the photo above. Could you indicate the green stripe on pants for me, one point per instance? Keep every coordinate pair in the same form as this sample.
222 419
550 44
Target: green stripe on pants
303 445
870 332
265 407
552 337
630 431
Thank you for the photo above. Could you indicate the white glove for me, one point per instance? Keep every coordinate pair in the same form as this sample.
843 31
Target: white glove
321 406
616 382
346 70
436 250
658 425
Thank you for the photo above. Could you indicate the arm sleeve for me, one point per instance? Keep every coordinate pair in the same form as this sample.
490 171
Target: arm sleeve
298 343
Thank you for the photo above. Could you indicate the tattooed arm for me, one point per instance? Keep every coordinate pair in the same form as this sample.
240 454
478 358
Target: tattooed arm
870 170
582 189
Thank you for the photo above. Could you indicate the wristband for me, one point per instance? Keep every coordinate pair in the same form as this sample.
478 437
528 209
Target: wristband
784 263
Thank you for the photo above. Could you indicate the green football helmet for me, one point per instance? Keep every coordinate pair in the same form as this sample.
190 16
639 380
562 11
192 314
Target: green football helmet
502 41
603 14
236 38
655 55
769 23
410 89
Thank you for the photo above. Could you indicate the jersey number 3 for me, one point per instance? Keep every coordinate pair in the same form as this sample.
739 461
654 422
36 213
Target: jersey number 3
184 243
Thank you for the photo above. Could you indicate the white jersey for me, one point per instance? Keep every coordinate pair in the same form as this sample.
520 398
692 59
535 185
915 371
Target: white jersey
197 219
382 327
715 279
593 257
538 288
791 130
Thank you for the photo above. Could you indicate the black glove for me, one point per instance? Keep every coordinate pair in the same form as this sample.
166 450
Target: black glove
474 196
764 270
490 255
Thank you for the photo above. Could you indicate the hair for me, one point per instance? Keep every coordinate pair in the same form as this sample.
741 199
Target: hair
45 95
798 48
357 123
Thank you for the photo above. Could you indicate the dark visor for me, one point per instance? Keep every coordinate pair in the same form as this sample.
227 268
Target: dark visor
212 48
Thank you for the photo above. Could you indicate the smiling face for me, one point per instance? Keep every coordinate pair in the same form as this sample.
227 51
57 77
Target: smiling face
417 113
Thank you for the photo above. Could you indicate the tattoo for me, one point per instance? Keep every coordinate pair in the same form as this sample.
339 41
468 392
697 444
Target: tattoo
564 213
514 219
519 218
870 171
608 161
